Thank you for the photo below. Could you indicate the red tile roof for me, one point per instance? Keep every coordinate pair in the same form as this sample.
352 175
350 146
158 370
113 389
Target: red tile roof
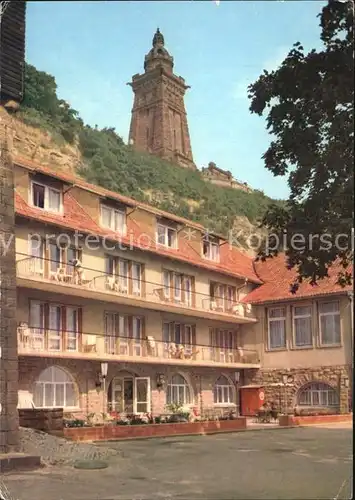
277 280
232 262
78 181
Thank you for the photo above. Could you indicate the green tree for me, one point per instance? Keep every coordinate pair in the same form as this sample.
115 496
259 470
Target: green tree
309 106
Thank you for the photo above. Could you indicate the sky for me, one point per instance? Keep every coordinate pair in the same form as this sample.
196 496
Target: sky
93 49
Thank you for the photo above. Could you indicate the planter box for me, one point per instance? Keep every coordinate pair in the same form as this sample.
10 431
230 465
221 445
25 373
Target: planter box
108 432
41 419
291 420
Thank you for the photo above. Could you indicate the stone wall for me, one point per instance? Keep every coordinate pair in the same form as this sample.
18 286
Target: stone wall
8 335
85 375
286 396
42 419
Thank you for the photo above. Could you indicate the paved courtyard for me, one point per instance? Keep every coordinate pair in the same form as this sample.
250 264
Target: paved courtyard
307 463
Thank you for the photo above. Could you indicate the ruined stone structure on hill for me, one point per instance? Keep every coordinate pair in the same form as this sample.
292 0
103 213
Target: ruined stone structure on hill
223 178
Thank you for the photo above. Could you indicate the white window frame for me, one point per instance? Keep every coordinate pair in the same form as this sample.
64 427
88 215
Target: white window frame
271 320
136 281
213 252
314 391
72 335
113 213
166 229
37 261
54 383
332 313
187 391
167 283
230 390
135 396
294 327
47 189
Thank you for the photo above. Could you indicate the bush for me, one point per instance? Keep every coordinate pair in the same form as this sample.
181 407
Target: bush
74 423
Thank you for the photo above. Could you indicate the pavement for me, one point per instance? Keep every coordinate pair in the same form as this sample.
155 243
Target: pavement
308 463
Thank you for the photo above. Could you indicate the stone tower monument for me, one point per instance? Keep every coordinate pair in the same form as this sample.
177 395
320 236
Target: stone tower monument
12 58
159 122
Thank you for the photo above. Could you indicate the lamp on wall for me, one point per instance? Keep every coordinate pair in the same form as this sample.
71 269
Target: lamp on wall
104 367
160 381
237 379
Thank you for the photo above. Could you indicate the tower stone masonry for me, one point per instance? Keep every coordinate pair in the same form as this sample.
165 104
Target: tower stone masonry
159 122
8 334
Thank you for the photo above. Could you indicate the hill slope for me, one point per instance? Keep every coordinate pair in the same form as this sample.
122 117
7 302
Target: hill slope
101 157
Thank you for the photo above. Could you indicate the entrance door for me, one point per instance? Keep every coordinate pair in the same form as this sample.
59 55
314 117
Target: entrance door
122 395
142 394
131 395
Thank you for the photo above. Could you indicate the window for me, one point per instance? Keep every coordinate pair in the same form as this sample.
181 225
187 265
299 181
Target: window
318 394
166 236
223 339
119 328
222 296
302 325
61 257
329 321
178 391
178 287
60 325
55 389
210 249
46 197
36 250
114 219
178 333
127 274
223 391
277 328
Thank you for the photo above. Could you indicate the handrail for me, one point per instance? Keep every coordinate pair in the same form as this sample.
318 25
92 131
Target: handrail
140 339
68 273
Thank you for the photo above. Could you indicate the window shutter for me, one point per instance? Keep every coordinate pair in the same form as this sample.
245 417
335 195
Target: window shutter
64 333
80 328
193 337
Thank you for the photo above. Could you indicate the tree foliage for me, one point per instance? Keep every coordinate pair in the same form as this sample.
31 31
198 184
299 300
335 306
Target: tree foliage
309 106
110 163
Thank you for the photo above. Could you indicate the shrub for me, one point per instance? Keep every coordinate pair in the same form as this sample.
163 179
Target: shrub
74 423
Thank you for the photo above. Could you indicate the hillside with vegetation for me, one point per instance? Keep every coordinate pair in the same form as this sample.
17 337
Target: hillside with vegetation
107 161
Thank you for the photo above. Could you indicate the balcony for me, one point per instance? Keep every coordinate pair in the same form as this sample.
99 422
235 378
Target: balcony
52 276
44 343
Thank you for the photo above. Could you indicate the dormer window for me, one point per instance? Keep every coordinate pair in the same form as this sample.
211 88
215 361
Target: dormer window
210 249
113 218
166 235
45 197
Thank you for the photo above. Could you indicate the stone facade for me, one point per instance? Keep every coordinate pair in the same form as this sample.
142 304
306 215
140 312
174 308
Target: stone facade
8 332
159 122
285 396
85 375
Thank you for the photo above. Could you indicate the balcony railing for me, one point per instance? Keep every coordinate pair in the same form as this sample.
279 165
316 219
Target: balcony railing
39 341
47 270
67 274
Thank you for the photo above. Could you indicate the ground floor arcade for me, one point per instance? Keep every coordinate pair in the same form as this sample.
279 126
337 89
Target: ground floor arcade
78 386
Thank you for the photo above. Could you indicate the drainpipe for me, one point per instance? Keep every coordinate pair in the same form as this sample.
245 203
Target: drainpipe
241 287
351 300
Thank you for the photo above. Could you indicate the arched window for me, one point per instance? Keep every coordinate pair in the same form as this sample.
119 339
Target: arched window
54 388
317 394
223 391
178 391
